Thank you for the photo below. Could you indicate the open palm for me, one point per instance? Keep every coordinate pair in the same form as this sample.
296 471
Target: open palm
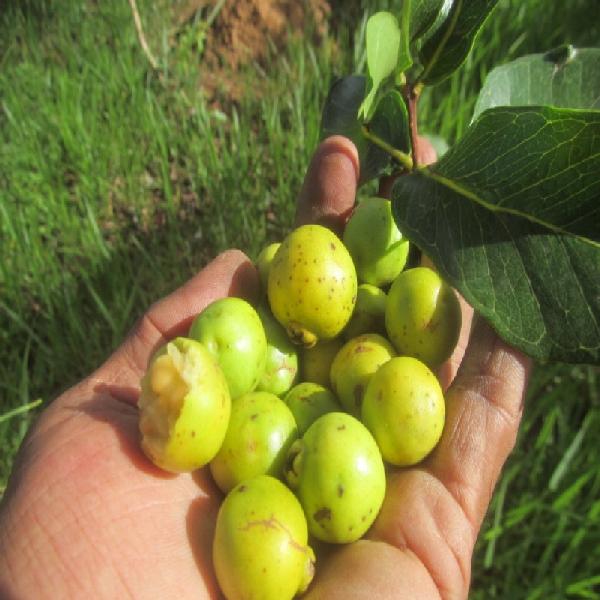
87 515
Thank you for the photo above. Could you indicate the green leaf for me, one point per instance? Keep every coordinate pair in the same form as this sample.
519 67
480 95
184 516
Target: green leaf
424 13
383 47
404 52
566 77
390 122
511 218
446 49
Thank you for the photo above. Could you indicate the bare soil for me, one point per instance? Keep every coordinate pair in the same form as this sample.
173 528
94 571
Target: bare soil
246 31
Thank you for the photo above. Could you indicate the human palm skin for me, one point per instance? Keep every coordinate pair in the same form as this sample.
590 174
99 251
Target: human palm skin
87 515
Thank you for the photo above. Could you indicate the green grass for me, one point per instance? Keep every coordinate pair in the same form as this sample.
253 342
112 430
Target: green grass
117 184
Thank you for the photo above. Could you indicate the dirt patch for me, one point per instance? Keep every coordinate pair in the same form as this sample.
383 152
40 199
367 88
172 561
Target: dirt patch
247 31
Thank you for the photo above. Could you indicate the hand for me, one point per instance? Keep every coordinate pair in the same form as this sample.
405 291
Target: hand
87 515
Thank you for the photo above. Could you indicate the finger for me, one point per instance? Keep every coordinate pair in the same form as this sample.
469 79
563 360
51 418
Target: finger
426 154
230 274
329 190
484 406
447 372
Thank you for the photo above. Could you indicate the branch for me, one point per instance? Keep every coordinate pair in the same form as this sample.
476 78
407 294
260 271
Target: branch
411 95
141 36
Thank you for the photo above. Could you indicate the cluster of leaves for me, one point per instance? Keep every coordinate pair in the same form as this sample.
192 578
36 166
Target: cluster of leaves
511 214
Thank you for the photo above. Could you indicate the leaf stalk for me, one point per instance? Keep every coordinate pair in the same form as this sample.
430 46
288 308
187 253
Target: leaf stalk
404 159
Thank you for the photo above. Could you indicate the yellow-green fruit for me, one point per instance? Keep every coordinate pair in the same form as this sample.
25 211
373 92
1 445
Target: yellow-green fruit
404 409
263 263
423 316
233 333
261 430
315 362
260 549
184 407
338 475
281 365
354 365
312 285
375 243
369 312
308 401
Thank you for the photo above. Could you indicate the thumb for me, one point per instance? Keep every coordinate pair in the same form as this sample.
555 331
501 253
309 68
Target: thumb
329 190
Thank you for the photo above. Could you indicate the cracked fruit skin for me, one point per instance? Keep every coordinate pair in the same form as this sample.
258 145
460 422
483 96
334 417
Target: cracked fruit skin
354 365
369 312
260 546
338 474
315 362
423 316
233 333
260 432
184 407
309 401
404 409
375 243
312 285
281 365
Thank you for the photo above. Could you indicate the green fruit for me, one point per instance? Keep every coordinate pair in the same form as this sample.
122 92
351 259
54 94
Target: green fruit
354 365
233 333
404 410
184 407
281 366
260 546
338 475
263 263
369 312
260 433
423 316
312 285
315 362
378 248
308 401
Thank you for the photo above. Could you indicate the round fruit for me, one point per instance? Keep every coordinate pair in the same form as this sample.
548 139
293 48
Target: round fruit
378 248
260 433
281 366
308 401
263 263
338 475
184 407
312 285
354 365
369 312
260 546
315 362
404 409
423 316
233 333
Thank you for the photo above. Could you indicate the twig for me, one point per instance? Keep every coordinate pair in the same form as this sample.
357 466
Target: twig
412 93
141 36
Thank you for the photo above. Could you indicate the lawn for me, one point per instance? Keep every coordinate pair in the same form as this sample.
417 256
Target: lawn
117 183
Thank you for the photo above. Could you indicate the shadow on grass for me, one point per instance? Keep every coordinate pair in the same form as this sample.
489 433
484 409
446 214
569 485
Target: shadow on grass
38 10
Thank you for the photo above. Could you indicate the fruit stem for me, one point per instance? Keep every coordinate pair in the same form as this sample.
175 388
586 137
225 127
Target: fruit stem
404 159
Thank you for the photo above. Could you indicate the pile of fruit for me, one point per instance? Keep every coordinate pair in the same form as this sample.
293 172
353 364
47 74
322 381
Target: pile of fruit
298 403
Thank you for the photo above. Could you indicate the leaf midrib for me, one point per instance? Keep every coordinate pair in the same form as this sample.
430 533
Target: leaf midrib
495 208
447 34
